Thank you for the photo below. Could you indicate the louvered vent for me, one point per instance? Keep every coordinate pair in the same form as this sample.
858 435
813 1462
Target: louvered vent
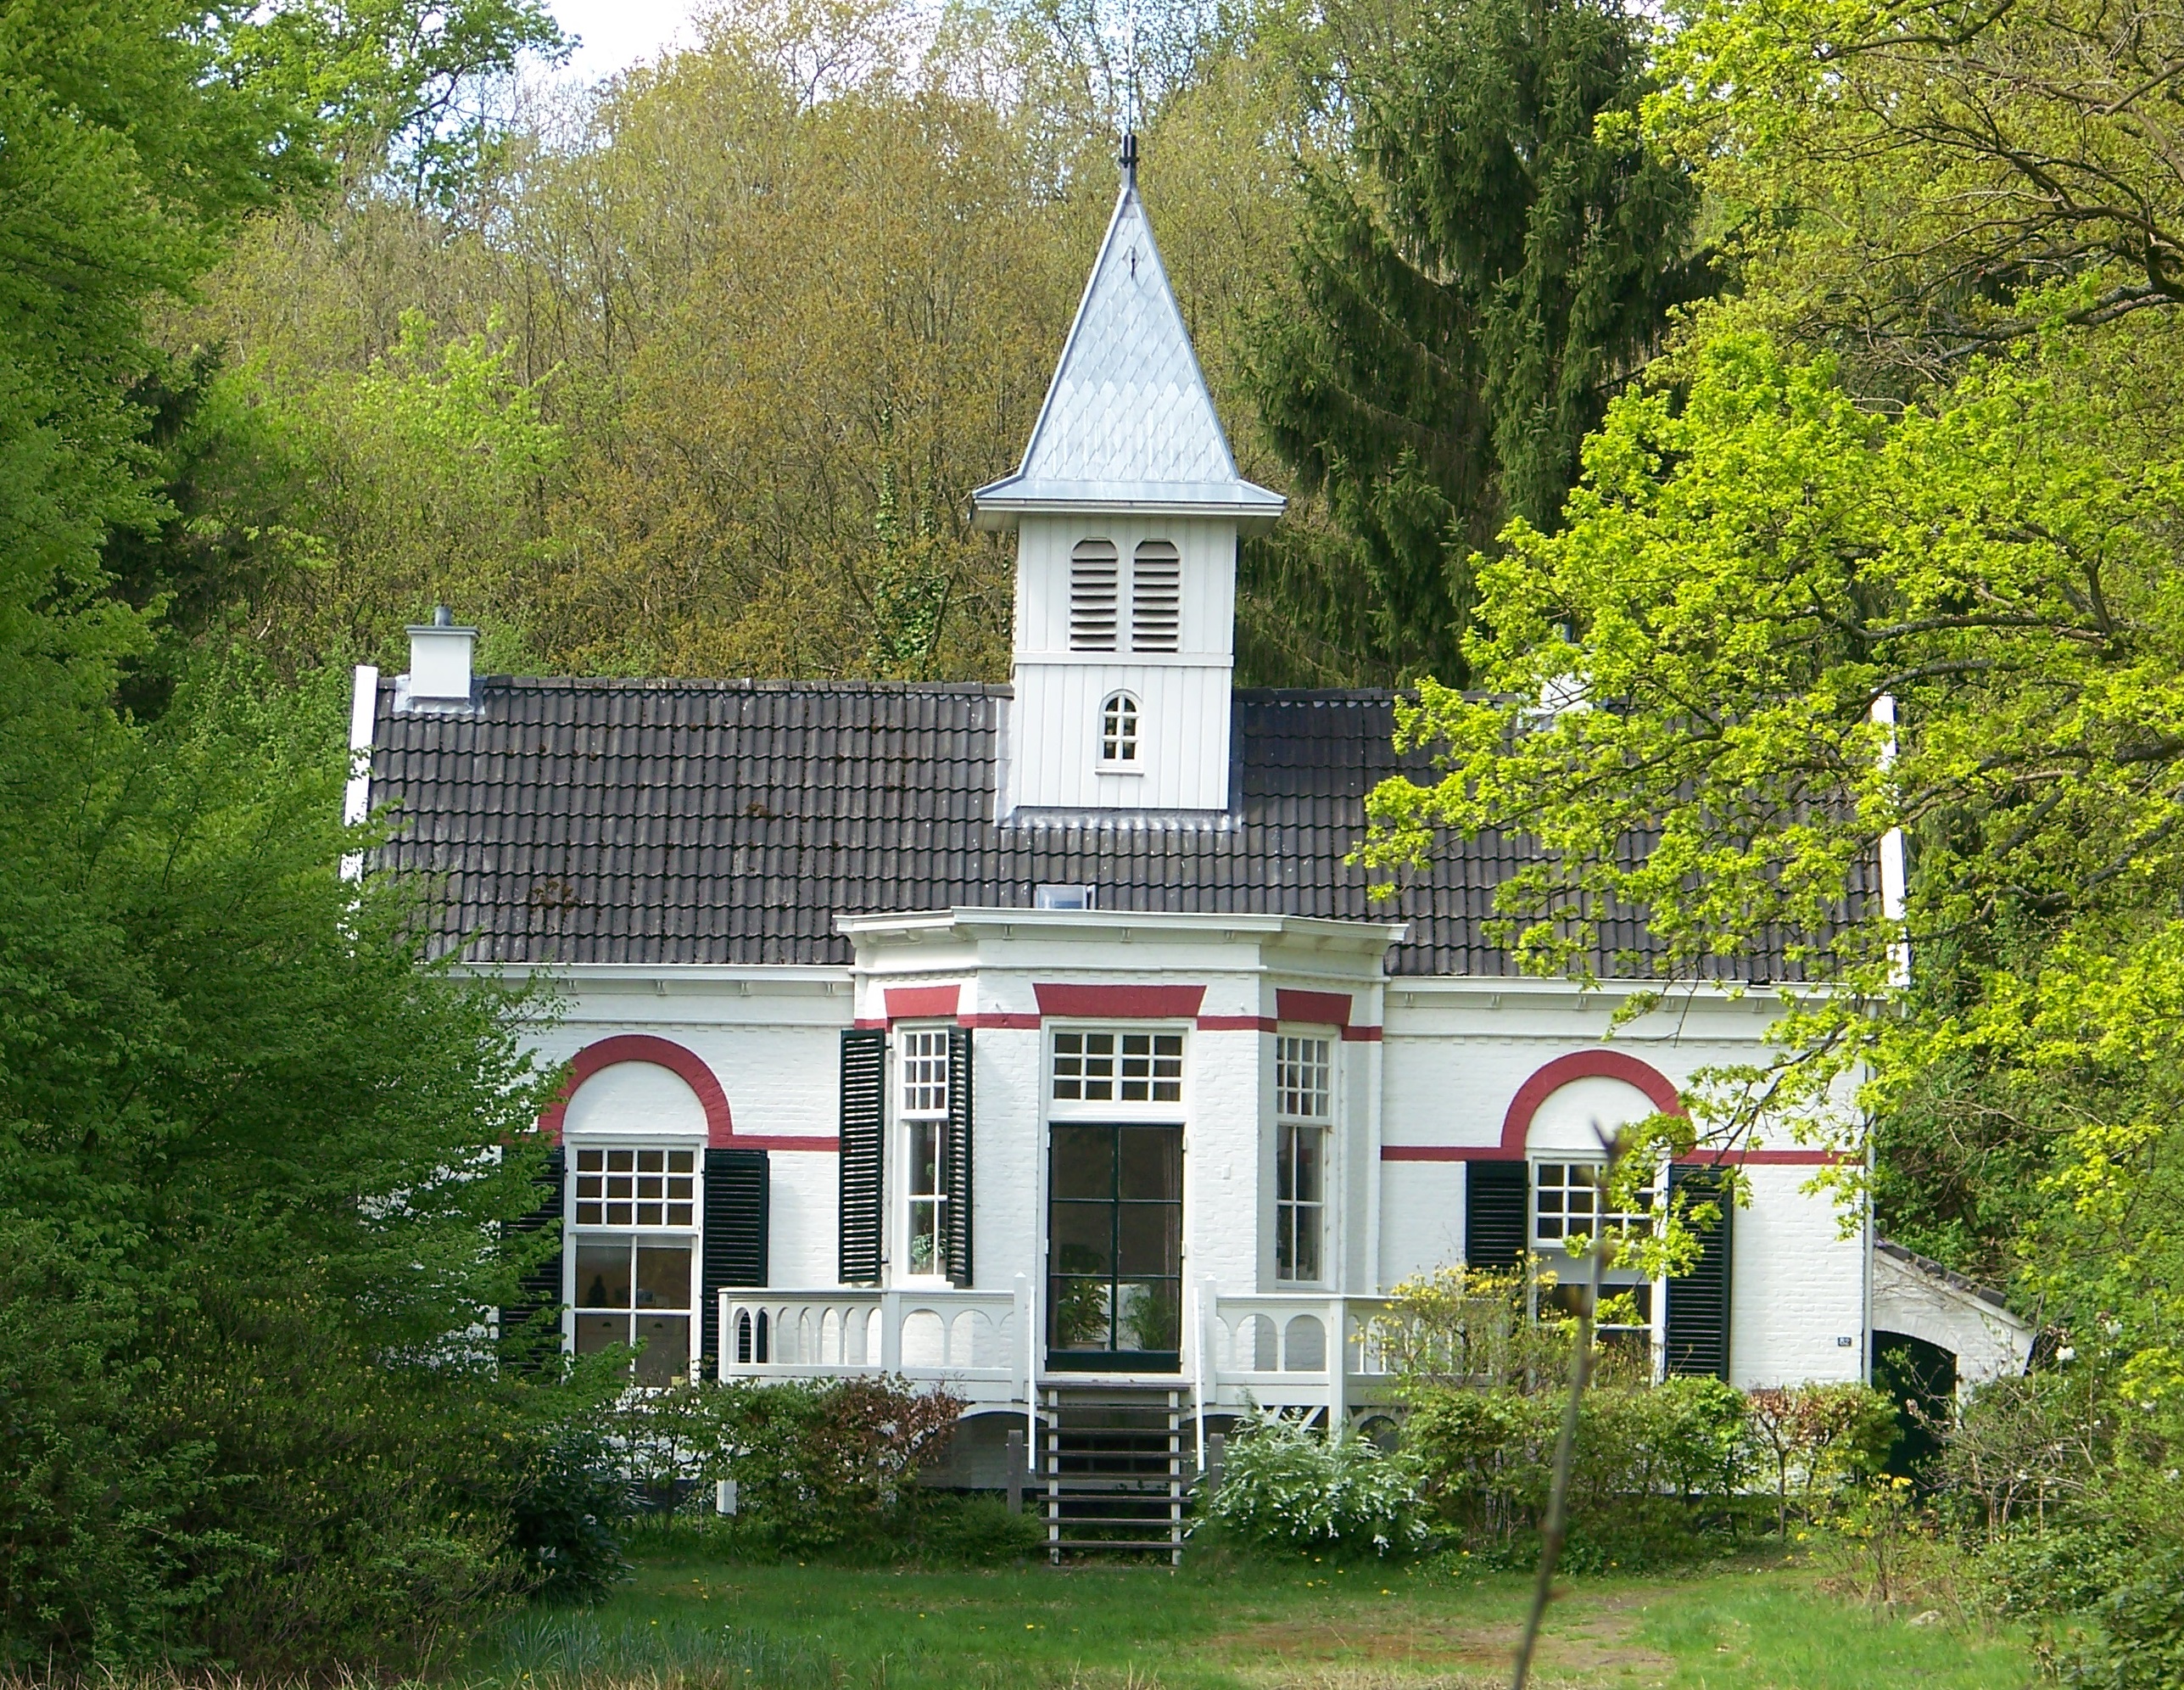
1095 579
1156 594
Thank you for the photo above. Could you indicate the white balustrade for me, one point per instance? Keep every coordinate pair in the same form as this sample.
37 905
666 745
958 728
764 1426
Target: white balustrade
971 1342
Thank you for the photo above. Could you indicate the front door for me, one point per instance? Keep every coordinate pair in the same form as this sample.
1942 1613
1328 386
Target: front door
1114 1268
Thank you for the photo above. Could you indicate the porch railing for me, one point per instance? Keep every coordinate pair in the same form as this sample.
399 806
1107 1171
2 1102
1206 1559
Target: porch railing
1295 1350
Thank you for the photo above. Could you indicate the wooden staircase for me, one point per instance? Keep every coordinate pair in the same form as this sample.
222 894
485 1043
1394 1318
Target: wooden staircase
1114 1471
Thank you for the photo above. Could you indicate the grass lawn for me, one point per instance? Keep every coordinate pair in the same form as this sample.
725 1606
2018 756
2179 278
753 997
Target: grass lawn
1237 1627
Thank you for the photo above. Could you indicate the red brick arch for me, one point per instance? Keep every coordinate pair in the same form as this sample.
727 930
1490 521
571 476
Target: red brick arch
1659 1090
685 1064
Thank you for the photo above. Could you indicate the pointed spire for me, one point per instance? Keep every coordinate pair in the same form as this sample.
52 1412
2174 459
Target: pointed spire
1128 423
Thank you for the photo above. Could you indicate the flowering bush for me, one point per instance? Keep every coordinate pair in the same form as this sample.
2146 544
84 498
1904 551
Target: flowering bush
1289 1488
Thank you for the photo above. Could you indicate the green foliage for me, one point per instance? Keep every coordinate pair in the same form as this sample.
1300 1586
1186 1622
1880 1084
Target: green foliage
1823 1436
566 1516
1492 253
977 1531
1651 1465
826 1466
1287 1487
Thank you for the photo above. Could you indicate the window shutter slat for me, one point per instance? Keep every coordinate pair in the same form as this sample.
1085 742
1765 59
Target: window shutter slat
1698 1314
1497 1195
531 1326
737 1205
956 1244
863 1118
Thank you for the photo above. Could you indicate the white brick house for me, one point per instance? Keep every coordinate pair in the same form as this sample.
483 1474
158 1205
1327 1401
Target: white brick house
1040 1038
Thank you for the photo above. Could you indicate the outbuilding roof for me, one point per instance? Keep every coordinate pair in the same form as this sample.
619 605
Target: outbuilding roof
678 821
1128 423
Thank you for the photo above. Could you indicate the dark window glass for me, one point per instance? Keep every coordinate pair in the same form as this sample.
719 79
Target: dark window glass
1083 1162
1115 1226
603 1275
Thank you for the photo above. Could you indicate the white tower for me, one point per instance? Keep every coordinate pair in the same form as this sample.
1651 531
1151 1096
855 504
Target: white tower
1126 510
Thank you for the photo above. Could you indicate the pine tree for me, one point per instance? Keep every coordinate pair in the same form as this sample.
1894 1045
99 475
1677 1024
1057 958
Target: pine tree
1479 269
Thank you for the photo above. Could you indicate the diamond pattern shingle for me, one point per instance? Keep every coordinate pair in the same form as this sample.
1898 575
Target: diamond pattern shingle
725 821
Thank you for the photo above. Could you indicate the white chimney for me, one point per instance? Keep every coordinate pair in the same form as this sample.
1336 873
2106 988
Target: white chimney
439 661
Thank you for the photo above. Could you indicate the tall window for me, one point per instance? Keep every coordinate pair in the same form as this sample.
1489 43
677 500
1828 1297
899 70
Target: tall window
635 1241
1304 1102
926 1130
1566 1205
1156 597
1095 573
1118 729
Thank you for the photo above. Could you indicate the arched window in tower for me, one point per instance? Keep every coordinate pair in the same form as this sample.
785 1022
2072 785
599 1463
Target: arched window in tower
1156 595
1118 729
1095 571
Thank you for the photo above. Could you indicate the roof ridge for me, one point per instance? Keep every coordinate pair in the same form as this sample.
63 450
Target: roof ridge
961 689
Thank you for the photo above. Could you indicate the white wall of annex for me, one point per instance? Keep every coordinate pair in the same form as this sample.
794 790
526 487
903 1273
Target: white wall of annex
1228 1205
1797 1286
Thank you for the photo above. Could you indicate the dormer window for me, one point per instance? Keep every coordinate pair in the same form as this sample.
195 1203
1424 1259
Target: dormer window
1156 594
1118 730
1095 577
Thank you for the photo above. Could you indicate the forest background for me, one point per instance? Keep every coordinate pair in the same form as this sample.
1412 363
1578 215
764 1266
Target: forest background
1746 368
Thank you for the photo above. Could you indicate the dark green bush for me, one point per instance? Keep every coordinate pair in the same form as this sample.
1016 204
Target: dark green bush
975 1531
566 1516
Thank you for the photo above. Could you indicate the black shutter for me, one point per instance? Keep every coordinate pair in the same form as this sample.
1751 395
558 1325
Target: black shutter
864 1121
735 1239
1698 1336
1497 1200
531 1326
956 1244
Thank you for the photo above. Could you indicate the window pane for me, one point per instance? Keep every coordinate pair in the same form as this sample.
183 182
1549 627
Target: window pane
1080 1313
1084 1238
602 1275
1148 1315
1084 1162
1152 1238
663 1277
597 1332
1307 1243
651 1161
925 1158
667 1353
621 1161
1151 1163
925 1236
591 1160
1311 1148
681 1161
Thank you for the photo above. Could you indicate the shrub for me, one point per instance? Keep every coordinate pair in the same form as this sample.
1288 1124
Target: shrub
817 1466
565 1515
1650 1463
2141 1645
975 1531
1824 1436
1288 1488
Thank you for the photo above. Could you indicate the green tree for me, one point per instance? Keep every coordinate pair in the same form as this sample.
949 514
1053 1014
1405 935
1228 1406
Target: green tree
1489 253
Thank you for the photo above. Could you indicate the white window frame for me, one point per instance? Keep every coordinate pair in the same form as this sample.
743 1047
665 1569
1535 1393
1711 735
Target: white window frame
635 1234
921 1104
1116 1107
1552 1252
1301 1109
1121 729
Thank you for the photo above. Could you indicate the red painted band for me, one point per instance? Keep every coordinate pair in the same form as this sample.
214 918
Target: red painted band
920 1002
1121 1003
1003 1018
1583 1065
787 1141
686 1066
1444 1153
1235 1024
1314 1009
1360 1035
1767 1158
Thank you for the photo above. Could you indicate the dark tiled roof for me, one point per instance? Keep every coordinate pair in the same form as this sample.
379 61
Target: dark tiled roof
730 821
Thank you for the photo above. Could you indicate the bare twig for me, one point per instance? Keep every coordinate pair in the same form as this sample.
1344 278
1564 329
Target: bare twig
1557 1525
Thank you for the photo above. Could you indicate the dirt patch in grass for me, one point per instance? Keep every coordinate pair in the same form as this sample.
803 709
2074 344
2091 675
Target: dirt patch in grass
1359 1649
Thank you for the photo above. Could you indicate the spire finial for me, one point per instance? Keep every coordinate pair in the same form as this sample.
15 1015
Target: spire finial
1129 155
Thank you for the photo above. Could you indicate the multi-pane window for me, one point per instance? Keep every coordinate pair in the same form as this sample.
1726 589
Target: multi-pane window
1303 1097
636 1187
1565 1204
634 1245
1095 571
1102 1066
926 1130
1118 729
1156 597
